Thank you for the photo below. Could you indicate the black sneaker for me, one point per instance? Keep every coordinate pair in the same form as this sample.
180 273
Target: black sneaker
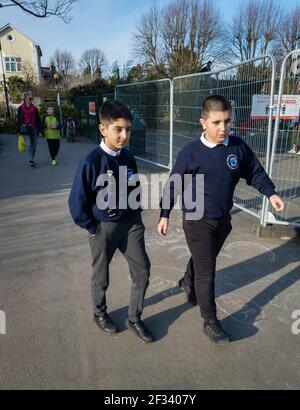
105 323
189 292
213 329
32 164
140 330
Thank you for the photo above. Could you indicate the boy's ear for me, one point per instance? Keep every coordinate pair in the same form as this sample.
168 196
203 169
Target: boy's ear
203 123
102 129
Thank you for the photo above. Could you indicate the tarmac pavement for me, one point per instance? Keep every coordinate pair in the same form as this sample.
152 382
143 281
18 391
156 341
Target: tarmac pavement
49 340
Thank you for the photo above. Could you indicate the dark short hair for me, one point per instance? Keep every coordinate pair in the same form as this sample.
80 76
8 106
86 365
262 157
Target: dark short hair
113 110
215 103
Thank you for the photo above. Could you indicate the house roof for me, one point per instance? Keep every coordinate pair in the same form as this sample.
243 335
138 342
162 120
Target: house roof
8 25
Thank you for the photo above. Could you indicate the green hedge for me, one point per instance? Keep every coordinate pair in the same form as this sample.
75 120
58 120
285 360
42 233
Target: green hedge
68 110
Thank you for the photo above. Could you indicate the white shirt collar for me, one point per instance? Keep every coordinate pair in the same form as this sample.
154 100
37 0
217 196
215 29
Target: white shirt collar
211 144
108 150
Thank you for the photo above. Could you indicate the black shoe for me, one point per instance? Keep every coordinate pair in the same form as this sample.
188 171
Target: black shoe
140 330
32 164
213 329
105 323
189 292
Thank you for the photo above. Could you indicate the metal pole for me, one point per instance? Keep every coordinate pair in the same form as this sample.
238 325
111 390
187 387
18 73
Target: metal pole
280 93
171 123
60 113
265 205
56 79
4 84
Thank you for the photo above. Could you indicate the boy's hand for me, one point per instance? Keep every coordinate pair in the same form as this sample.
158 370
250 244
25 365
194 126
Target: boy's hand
277 203
162 227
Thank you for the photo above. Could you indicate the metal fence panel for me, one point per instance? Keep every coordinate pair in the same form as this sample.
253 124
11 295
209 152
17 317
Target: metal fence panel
150 103
89 122
285 159
239 83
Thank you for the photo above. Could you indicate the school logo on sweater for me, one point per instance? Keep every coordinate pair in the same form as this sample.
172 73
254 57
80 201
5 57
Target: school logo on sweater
232 161
130 174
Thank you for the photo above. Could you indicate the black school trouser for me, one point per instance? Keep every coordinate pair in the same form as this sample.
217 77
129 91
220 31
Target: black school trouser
53 146
127 236
205 239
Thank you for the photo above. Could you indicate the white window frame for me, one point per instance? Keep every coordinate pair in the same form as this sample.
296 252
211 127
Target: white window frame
9 61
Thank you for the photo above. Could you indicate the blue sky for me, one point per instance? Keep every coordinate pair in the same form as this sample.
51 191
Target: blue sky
105 24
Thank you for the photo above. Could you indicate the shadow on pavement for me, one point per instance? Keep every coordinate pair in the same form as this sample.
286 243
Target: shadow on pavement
242 323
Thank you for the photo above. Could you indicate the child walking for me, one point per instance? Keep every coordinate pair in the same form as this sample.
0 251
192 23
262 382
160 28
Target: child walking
112 226
223 159
52 128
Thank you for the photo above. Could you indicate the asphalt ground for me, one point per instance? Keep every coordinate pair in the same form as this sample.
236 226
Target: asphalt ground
49 340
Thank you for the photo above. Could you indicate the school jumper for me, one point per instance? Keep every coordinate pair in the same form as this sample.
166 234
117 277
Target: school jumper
111 228
222 166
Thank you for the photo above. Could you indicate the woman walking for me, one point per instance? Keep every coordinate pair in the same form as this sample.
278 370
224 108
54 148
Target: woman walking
29 125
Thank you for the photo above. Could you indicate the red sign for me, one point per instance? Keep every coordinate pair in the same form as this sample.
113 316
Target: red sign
92 108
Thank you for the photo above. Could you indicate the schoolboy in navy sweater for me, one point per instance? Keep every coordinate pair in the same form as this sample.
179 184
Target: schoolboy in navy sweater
97 204
223 160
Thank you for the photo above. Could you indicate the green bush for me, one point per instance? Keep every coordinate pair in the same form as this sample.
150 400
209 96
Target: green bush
68 110
16 86
96 87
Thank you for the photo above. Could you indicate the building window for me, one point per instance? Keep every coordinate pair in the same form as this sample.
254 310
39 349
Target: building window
13 64
10 37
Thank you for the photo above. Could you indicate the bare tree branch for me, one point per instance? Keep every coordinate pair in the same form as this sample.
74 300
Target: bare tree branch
175 26
63 61
289 33
147 37
92 62
181 37
43 8
210 43
255 29
271 17
246 30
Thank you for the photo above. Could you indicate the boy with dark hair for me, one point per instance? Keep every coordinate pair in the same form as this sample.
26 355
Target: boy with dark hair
223 159
95 205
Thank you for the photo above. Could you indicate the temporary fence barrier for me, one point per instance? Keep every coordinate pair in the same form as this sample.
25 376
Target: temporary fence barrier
88 113
166 116
242 84
150 103
284 168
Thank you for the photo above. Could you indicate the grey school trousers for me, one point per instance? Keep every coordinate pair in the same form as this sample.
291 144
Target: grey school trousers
127 236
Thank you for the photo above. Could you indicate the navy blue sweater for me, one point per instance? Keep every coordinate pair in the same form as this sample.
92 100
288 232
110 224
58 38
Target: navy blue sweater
222 167
83 196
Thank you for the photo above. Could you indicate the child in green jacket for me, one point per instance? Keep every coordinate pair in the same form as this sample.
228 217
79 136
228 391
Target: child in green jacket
52 134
